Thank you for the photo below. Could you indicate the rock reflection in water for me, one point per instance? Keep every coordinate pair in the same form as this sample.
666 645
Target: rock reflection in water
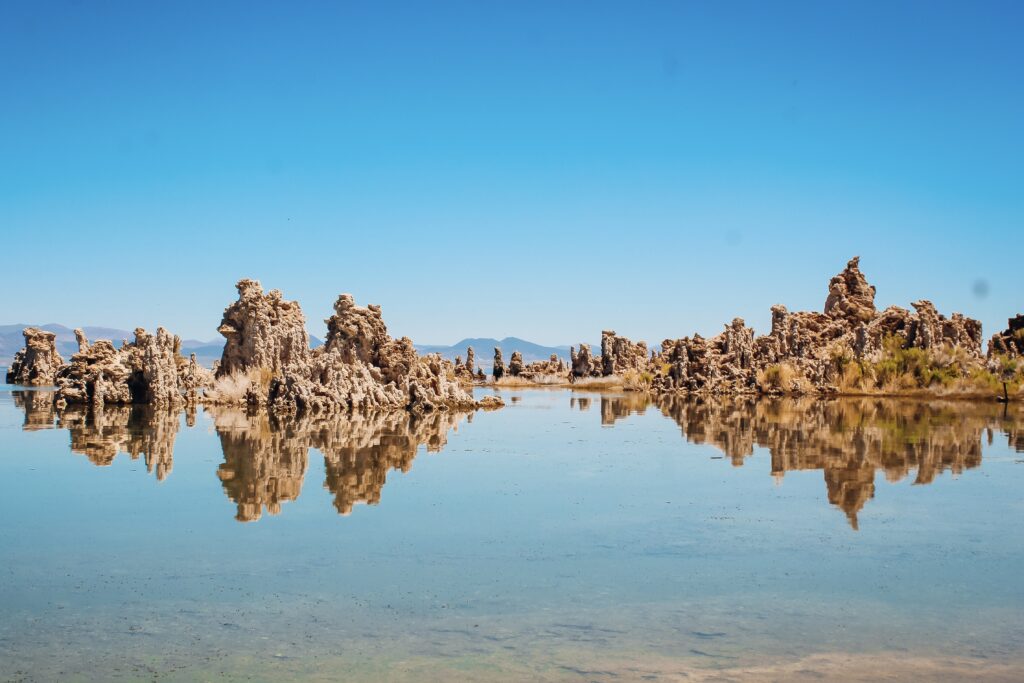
40 412
140 431
848 439
266 458
101 433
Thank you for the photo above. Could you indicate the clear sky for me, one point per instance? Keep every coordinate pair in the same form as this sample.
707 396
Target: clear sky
538 169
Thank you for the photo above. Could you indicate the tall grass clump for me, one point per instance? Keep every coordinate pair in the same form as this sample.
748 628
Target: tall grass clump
782 377
235 387
637 380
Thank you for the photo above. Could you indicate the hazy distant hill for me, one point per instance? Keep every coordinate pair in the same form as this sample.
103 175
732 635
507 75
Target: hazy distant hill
484 349
209 351
11 340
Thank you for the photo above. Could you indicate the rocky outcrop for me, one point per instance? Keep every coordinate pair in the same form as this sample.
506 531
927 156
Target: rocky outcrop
148 370
583 363
619 355
808 351
498 369
262 331
552 367
515 364
359 366
466 372
850 297
38 363
1009 342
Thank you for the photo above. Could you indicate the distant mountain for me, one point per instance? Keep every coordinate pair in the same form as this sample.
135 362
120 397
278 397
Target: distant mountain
207 352
483 347
11 341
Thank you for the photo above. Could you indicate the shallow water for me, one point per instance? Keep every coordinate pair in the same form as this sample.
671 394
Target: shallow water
568 536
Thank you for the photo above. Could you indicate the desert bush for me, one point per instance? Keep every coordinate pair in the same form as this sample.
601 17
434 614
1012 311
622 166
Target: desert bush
636 380
234 388
610 382
777 377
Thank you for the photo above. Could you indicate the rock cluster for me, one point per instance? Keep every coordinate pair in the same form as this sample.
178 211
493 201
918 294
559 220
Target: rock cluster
1009 342
466 372
582 363
805 351
38 363
262 331
149 370
359 366
515 364
620 355
498 369
552 367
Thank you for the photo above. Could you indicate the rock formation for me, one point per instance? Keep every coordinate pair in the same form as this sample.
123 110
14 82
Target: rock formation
148 370
583 363
808 351
554 367
850 297
515 364
498 369
38 363
466 372
359 366
262 331
620 355
1009 342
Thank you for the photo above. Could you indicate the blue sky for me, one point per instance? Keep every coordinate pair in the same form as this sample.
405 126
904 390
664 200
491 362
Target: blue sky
545 170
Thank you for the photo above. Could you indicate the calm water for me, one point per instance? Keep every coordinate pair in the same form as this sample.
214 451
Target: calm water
566 537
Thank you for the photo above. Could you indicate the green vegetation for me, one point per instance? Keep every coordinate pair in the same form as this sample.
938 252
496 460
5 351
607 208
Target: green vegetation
944 370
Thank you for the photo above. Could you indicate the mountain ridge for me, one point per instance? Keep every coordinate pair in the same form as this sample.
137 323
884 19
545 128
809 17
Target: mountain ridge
11 341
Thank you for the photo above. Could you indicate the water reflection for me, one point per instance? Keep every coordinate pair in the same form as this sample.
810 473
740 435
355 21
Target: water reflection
40 412
100 434
848 439
265 458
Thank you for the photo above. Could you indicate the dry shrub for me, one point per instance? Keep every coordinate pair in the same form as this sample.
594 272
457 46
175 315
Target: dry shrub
524 381
610 382
636 380
233 388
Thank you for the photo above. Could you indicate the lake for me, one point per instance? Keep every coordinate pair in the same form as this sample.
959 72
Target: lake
568 536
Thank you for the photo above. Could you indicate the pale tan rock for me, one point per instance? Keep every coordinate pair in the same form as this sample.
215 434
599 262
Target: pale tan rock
620 355
491 402
359 367
466 372
38 363
1009 342
811 346
498 369
262 331
554 368
515 364
149 370
850 296
583 363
